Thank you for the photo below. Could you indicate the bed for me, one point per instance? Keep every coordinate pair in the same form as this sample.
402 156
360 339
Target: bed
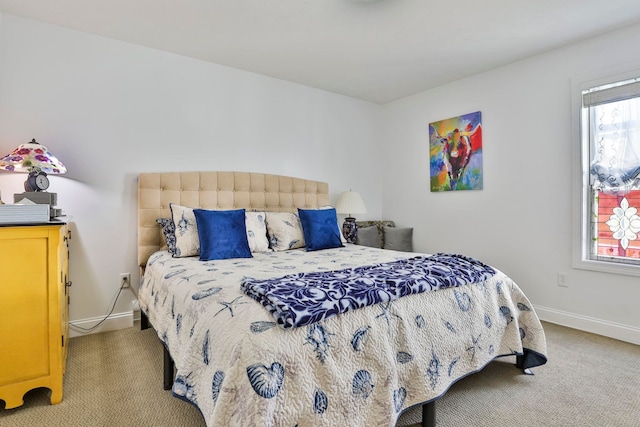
243 361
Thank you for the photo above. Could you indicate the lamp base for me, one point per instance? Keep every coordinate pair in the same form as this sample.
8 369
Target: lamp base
350 229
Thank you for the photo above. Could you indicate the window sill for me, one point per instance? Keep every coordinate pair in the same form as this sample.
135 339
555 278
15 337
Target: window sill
607 267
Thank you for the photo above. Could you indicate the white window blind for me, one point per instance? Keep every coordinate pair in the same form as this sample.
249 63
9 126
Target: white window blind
611 93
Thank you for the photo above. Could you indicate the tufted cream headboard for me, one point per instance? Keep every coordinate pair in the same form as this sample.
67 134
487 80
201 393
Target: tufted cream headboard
217 190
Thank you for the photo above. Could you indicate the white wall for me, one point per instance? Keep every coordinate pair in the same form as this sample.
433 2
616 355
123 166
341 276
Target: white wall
522 221
110 110
101 105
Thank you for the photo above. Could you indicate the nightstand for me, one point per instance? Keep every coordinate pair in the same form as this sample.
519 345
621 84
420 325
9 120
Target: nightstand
34 316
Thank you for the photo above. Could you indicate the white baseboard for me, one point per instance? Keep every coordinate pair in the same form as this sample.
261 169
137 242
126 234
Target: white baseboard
590 324
114 322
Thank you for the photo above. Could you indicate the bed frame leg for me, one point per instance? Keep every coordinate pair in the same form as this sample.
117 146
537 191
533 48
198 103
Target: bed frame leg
429 414
168 365
144 321
168 369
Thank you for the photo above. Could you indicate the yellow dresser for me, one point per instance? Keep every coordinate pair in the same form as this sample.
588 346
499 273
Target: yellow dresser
34 328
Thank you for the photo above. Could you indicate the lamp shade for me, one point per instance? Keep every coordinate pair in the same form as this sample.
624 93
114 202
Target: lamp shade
31 157
349 203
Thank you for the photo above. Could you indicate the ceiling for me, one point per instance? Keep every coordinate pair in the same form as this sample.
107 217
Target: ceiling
375 50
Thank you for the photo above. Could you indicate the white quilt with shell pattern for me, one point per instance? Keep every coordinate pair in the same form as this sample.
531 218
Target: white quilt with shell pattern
360 368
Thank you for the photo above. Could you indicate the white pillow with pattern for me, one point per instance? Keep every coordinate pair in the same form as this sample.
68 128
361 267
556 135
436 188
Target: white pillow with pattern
285 231
187 240
257 231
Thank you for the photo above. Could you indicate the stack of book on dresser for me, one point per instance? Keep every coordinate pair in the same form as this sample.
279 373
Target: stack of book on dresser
24 212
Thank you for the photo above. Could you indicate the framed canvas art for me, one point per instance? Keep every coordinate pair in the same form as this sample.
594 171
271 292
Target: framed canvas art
455 153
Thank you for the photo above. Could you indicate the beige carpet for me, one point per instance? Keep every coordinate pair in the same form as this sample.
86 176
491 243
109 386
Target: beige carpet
115 379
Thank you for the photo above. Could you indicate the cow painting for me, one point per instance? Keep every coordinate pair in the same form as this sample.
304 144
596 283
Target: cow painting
456 153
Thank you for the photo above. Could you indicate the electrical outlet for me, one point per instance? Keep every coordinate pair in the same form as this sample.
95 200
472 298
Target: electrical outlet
562 280
125 280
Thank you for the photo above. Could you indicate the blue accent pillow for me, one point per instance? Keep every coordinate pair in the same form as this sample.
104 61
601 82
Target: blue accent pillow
222 234
320 228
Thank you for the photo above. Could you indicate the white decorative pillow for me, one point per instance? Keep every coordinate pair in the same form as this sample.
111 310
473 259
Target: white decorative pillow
285 231
257 231
187 241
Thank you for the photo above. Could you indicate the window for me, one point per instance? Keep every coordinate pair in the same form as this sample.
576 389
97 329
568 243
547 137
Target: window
610 136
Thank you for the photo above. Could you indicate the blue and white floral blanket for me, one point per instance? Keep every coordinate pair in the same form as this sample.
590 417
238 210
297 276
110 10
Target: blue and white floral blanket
361 368
304 298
